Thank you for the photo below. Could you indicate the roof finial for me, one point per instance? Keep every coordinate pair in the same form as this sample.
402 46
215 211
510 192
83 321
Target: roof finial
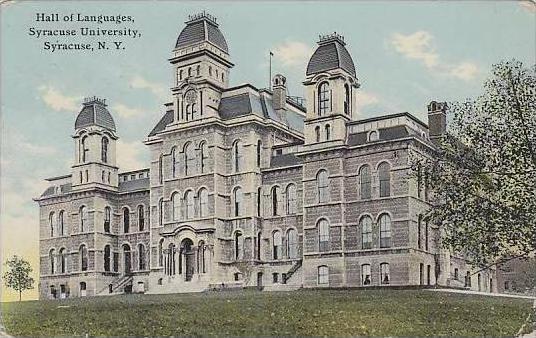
331 37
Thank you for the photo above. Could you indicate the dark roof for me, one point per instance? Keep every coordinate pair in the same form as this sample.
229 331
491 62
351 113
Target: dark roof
94 113
391 133
330 55
200 30
235 106
389 116
161 125
133 185
64 189
284 160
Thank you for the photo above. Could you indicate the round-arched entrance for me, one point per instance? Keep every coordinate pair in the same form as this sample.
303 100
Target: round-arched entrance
188 257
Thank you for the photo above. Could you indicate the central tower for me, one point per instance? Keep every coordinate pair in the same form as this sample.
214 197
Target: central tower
201 66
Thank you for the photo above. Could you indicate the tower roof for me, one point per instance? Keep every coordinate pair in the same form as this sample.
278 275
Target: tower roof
330 54
94 112
199 28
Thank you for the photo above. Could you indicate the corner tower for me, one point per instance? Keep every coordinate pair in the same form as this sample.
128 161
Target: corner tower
330 84
95 147
201 65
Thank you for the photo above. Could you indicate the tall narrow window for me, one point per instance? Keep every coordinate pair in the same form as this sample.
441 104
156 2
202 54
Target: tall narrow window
384 174
385 231
365 275
259 201
347 104
328 132
63 263
239 243
259 153
201 266
141 257
61 225
174 162
317 133
161 212
291 199
52 223
52 260
107 219
237 197
104 149
107 258
83 219
323 235
324 98
385 278
189 159
141 217
160 169
189 71
203 202
176 206
84 149
323 275
276 198
419 180
322 186
161 252
126 220
419 232
237 156
277 244
292 243
259 245
198 70
426 234
189 199
364 182
83 257
366 232
203 157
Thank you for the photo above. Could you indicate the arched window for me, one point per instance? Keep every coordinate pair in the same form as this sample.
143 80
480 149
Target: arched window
259 201
176 206
160 169
203 157
222 76
384 273
107 258
104 149
189 71
203 202
52 223
126 220
107 219
141 217
419 232
328 132
239 245
201 266
189 199
323 235
259 153
83 219
277 245
180 74
364 182
292 243
373 136
322 186
174 162
210 70
384 174
141 257
52 259
237 199
83 257
366 232
276 200
385 231
189 159
259 245
160 252
426 234
63 262
198 70
291 199
324 99
61 224
84 149
365 274
323 275
347 104
317 133
170 261
83 289
237 156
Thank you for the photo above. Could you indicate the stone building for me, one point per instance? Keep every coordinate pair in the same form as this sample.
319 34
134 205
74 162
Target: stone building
248 187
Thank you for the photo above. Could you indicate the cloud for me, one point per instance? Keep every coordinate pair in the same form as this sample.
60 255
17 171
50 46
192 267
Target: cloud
59 101
420 46
157 89
529 6
130 155
292 53
125 111
364 98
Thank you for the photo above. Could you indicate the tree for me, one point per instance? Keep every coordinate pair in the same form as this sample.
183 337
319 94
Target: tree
483 176
18 275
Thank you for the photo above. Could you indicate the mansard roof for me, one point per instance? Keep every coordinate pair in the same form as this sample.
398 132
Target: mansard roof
330 54
94 112
134 185
200 28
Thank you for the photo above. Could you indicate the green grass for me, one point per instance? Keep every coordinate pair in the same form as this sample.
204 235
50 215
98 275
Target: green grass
303 313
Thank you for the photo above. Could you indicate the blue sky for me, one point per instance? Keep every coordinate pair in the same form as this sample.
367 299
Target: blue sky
406 54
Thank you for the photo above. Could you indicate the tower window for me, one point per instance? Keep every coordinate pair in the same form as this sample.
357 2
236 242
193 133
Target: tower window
347 105
328 132
104 149
317 133
198 70
84 149
324 99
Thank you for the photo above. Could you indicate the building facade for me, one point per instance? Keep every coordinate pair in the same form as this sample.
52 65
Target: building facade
248 187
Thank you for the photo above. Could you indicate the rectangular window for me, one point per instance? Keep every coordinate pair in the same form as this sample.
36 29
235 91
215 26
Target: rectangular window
421 274
275 277
428 271
385 277
365 275
323 275
116 261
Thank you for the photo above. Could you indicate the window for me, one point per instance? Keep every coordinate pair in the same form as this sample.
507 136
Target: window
161 252
87 175
322 186
428 274
364 182
239 244
174 162
52 259
189 159
52 223
160 170
426 234
468 279
323 275
175 206
63 263
259 201
384 174
104 149
456 273
276 199
479 280
189 71
259 153
198 70
373 136
323 235
277 245
107 218
419 232
324 99
83 219
317 133
141 257
170 262
161 212
291 199
259 244
210 70
347 104
201 266
421 274
84 149
385 231
366 232
237 199
190 204
203 157
141 217
275 277
419 180
507 285
237 156
328 132
83 257
126 220
61 226
203 202
365 274
384 273
292 243
83 289
107 258
180 75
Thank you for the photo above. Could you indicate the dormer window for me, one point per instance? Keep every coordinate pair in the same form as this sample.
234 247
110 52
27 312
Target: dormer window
324 99
373 136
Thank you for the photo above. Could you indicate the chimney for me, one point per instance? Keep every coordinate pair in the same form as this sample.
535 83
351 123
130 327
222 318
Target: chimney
279 86
437 120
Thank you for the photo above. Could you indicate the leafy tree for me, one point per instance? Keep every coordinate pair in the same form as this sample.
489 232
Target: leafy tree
17 277
483 176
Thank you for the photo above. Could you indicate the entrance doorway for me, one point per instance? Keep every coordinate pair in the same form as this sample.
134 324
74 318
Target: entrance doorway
127 258
189 258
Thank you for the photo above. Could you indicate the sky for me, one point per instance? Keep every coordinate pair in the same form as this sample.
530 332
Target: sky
406 54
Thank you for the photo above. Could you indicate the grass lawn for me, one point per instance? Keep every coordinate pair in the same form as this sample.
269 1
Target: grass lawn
304 313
